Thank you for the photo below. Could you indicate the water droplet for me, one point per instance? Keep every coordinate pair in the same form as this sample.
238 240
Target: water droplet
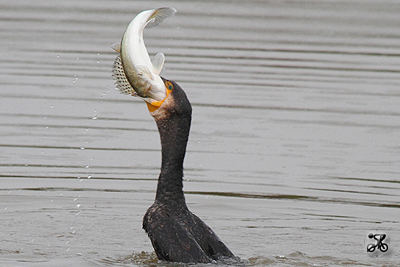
82 148
58 56
95 115
89 176
51 106
78 206
87 166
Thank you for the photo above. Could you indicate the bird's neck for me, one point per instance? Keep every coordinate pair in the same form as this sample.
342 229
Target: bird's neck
174 134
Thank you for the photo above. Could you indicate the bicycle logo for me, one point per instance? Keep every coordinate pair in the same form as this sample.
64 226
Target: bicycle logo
383 247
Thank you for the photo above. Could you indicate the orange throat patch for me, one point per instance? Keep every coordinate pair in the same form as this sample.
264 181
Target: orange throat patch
156 104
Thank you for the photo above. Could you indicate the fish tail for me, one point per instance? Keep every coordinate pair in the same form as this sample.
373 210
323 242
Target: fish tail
159 15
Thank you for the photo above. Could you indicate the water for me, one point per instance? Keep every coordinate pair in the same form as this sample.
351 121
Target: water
294 152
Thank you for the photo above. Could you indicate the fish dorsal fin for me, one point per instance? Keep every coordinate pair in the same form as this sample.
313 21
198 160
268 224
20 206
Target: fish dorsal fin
116 47
158 62
121 81
144 71
159 15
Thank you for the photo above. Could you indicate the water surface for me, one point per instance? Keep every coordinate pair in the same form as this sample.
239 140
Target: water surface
294 151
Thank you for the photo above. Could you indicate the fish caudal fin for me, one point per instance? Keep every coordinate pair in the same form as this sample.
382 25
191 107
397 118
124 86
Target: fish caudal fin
159 15
121 81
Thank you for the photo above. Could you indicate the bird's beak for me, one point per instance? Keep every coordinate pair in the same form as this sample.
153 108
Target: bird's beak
154 105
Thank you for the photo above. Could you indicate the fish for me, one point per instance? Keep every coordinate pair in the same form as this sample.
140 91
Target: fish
135 74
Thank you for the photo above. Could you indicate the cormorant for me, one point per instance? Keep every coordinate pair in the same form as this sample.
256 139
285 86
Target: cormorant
176 233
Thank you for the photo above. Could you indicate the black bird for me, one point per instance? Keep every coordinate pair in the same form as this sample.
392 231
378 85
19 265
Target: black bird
176 233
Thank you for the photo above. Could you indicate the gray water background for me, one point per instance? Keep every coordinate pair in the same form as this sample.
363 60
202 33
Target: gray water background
294 152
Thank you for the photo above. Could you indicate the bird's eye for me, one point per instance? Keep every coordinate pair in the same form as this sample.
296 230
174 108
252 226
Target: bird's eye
169 85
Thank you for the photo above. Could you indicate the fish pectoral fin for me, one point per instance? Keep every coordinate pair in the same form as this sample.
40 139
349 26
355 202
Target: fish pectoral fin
159 15
116 47
158 62
143 70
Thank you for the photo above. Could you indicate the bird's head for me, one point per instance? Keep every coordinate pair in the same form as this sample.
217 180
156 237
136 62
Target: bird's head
153 104
175 103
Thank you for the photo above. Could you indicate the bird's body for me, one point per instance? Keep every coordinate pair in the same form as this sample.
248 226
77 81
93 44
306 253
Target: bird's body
176 233
181 236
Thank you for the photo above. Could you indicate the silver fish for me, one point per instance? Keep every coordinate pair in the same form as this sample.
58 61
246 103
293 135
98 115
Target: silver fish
134 72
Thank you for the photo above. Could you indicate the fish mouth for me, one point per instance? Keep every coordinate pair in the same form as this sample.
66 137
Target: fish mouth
154 105
155 95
